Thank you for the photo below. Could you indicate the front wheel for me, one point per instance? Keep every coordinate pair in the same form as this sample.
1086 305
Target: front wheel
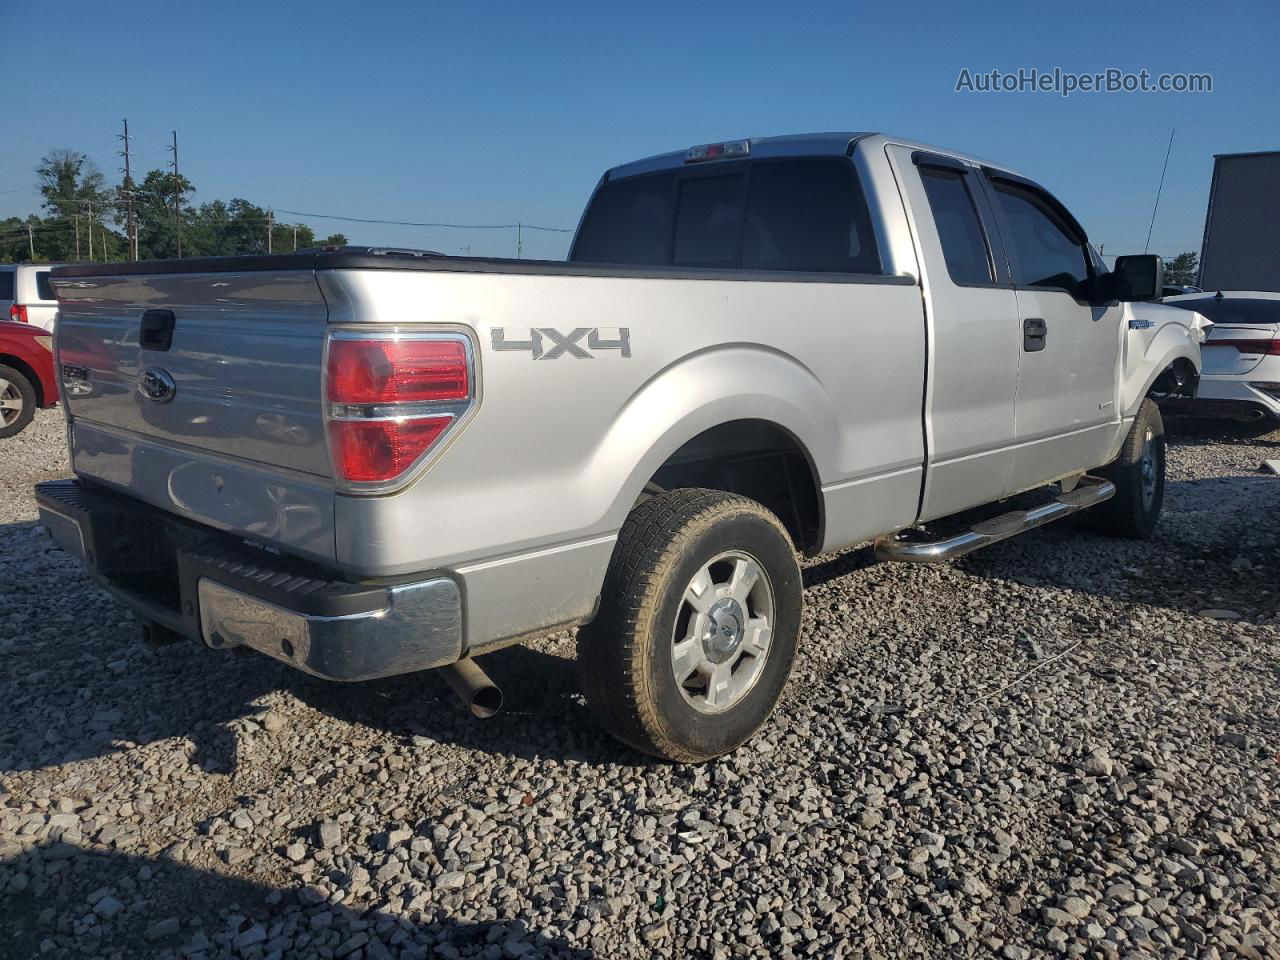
1138 474
698 625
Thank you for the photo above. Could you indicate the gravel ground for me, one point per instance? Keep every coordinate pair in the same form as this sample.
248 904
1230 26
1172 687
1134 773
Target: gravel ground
1062 745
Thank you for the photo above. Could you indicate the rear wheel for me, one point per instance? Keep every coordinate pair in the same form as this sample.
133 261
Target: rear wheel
1138 474
698 626
17 401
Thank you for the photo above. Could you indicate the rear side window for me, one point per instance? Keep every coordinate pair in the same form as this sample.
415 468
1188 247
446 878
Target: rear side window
6 284
629 222
44 289
964 245
1042 249
805 215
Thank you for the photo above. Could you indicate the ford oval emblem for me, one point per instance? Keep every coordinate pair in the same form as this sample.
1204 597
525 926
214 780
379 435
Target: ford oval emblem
156 384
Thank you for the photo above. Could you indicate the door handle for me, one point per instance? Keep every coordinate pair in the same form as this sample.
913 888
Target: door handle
1035 333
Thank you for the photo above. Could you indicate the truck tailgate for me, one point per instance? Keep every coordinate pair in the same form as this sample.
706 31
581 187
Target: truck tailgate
210 406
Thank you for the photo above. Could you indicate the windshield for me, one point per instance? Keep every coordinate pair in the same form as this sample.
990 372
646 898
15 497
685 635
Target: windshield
1233 309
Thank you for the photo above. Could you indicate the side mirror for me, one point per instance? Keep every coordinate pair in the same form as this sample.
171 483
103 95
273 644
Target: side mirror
1139 277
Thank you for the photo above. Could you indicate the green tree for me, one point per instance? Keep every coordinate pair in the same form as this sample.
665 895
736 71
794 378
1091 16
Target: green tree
157 223
1182 270
75 195
334 240
16 243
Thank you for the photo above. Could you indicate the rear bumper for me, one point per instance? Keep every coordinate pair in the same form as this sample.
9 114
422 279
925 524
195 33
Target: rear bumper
1234 398
218 589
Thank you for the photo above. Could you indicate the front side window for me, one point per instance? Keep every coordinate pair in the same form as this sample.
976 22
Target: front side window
1043 251
6 284
964 245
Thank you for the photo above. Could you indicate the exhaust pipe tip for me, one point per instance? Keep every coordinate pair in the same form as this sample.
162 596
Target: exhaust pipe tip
474 688
486 703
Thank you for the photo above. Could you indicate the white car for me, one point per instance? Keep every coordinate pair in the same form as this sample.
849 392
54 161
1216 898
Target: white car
1240 378
26 296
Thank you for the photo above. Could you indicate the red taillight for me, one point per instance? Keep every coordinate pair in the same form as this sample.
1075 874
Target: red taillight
18 312
390 398
374 451
1261 348
397 371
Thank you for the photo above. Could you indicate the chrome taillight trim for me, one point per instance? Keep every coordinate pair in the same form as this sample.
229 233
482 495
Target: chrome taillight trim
460 412
393 411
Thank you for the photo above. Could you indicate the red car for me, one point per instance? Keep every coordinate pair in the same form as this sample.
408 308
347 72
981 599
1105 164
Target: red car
27 378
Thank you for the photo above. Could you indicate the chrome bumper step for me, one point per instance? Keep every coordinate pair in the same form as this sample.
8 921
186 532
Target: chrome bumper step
1088 493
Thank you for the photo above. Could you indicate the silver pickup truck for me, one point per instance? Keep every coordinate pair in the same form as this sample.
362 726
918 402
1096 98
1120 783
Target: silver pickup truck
366 462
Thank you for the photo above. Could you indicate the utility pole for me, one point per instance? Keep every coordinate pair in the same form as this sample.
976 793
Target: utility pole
89 204
76 218
270 223
31 242
295 238
177 194
519 240
130 234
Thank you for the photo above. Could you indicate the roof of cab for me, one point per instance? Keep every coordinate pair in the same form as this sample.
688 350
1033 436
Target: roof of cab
835 144
796 145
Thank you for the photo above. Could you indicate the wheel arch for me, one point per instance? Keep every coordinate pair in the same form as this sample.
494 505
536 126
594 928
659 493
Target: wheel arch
732 400
1170 356
758 459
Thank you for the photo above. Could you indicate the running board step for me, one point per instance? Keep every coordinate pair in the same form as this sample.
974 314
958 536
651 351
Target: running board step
1089 492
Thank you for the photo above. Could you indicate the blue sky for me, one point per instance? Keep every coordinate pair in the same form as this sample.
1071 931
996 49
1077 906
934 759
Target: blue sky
498 112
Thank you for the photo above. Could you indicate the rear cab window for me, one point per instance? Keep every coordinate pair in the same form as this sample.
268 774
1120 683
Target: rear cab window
797 215
709 222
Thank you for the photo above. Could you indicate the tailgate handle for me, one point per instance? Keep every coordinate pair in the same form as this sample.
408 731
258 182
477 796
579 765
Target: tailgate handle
157 330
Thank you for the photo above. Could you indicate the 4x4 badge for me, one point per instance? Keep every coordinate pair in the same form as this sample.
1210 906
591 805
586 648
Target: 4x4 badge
565 344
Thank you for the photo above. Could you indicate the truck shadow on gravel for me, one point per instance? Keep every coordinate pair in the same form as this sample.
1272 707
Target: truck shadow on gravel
81 683
109 903
543 715
1216 548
